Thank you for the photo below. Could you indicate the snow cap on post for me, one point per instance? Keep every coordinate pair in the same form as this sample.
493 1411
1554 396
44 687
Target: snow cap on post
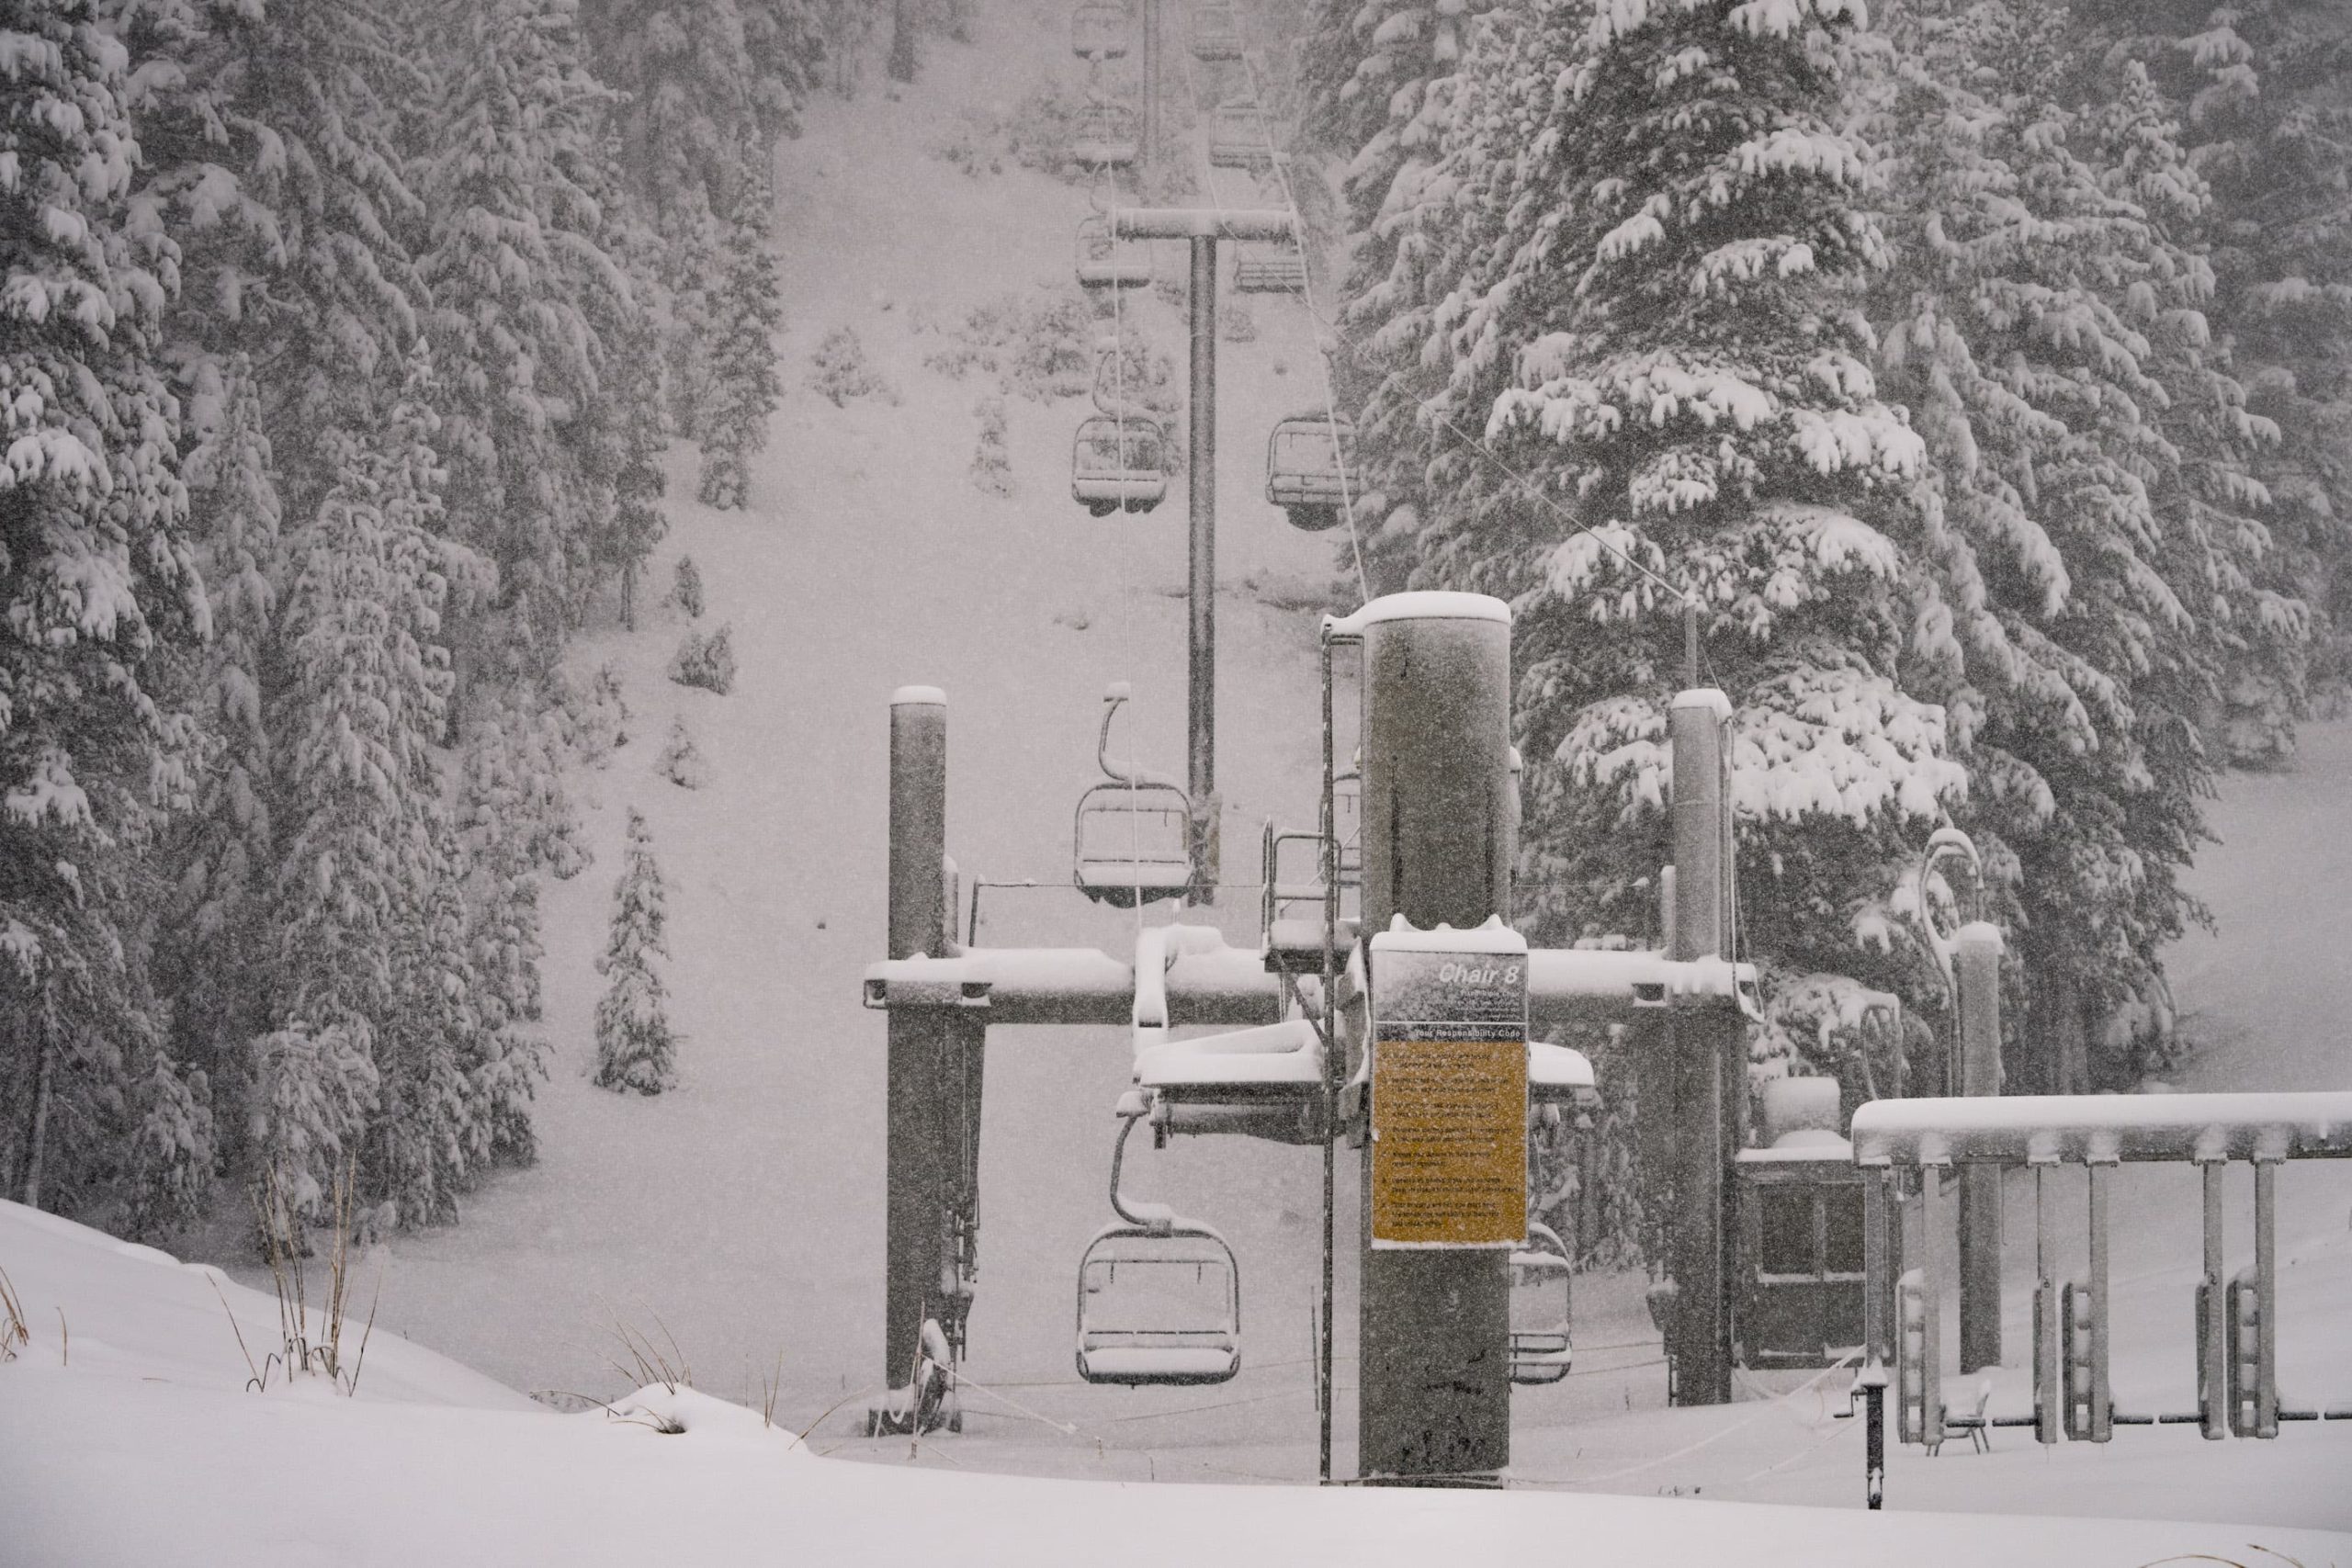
1709 697
1979 935
931 695
1419 605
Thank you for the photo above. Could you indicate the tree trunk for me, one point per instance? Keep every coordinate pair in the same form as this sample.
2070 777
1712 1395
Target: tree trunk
902 42
37 1133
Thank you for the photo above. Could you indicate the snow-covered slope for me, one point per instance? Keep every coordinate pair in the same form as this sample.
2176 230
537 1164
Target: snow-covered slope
745 1209
141 1448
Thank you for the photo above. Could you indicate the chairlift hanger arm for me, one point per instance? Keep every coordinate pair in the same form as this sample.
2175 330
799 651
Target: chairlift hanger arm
1126 772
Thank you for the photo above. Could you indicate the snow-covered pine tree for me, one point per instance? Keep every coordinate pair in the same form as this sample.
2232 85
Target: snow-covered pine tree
1437 242
97 579
2222 502
220 861
2044 328
638 522
358 802
429 1136
518 275
313 1091
636 1048
2255 90
784 41
743 385
269 153
1658 324
707 660
514 818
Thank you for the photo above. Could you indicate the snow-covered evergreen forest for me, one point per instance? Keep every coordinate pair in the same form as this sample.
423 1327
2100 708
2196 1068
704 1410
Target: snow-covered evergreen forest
1982 368
1978 367
341 341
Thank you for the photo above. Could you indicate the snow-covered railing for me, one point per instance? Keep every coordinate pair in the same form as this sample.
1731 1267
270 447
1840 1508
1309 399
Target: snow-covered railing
2104 1128
2237 1316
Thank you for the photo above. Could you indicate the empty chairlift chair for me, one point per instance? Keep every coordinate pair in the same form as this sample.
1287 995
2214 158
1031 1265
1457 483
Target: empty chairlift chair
1541 1346
1292 909
1217 33
1105 262
1308 460
1131 841
1270 269
1238 137
1105 138
1119 463
1098 30
1158 1307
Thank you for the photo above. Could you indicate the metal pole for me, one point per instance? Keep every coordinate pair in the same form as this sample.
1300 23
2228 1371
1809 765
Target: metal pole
2266 1267
1698 1340
2102 1414
2049 1396
2214 1314
915 1156
1332 1066
1435 1325
1931 1359
1874 1440
1150 73
1200 577
1877 1326
1979 966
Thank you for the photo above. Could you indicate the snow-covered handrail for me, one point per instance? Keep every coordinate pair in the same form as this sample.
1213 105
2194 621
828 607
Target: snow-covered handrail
2102 1129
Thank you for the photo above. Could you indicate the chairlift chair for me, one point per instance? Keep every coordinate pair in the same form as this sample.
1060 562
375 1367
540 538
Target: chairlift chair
1105 263
1131 844
1292 907
1158 1307
1307 458
1541 1346
1238 137
1217 33
1118 464
1105 138
1098 30
1131 841
1270 269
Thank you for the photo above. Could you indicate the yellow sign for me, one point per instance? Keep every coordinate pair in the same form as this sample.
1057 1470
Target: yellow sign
1449 1150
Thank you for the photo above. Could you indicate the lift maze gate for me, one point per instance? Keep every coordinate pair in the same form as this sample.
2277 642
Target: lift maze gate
1388 1006
2231 1322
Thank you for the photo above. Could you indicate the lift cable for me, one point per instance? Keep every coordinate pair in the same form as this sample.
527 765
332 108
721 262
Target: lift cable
1427 406
1280 168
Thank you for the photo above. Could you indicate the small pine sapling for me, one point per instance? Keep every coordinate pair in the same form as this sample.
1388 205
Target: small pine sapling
991 462
681 762
636 1048
708 661
686 588
842 371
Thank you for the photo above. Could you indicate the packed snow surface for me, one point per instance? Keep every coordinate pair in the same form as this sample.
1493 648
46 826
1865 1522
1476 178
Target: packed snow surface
128 1439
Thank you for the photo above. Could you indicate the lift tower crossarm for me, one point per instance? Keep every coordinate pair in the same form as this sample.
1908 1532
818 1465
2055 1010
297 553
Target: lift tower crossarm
1230 986
1202 223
